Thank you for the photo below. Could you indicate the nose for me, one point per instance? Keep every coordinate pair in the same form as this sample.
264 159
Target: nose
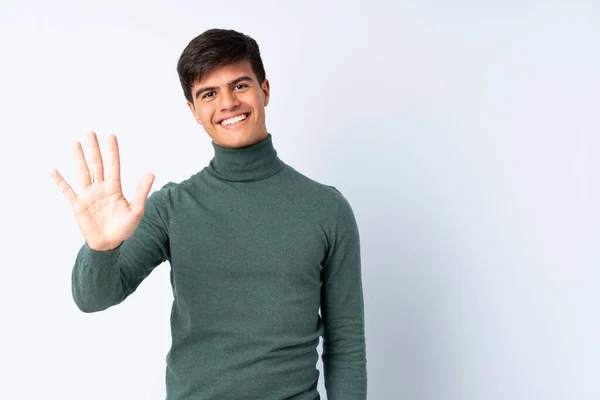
228 100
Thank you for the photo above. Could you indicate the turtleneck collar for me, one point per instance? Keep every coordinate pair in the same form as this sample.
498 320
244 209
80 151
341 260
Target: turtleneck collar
249 163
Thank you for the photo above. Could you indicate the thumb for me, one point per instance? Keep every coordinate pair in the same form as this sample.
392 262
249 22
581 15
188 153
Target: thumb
141 193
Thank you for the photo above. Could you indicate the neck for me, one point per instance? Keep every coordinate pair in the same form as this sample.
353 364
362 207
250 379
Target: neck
249 163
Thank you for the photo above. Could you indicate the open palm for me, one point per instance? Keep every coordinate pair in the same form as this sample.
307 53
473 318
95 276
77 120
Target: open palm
104 216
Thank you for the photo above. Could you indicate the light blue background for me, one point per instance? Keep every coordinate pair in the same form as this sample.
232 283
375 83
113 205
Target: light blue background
464 134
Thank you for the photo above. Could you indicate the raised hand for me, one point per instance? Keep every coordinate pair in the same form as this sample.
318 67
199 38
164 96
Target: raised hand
104 216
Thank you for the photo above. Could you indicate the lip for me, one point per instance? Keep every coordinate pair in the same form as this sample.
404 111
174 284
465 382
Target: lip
237 124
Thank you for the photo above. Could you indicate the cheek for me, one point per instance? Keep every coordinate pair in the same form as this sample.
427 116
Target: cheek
205 115
259 111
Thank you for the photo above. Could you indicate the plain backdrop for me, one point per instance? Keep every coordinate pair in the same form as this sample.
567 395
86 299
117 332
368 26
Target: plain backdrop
465 135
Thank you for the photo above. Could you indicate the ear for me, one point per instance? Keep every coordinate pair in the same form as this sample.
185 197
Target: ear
193 110
266 89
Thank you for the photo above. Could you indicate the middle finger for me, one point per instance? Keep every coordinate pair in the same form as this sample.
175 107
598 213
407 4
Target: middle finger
97 166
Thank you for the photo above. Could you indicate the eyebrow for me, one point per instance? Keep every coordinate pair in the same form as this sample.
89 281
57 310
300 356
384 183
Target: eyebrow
233 82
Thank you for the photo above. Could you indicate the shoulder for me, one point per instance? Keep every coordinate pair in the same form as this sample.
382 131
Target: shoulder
162 193
164 199
327 196
304 183
172 190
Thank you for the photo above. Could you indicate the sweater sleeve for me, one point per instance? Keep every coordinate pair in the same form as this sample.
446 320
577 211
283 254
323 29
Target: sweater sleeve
101 279
342 310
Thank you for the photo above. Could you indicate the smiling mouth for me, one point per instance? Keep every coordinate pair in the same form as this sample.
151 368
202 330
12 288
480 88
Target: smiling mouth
235 121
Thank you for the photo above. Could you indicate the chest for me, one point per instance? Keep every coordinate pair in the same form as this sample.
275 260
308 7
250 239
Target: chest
269 241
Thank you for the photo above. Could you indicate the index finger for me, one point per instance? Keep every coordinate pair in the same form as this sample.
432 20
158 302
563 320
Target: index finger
82 168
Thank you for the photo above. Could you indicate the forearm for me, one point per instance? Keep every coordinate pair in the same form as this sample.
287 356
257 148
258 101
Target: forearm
96 282
344 361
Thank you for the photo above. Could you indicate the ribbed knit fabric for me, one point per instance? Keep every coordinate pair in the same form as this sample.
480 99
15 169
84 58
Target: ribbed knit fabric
256 250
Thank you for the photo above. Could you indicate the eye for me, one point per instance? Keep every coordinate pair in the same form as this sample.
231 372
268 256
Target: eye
207 95
241 86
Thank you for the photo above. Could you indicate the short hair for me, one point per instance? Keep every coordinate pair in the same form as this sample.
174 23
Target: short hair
216 48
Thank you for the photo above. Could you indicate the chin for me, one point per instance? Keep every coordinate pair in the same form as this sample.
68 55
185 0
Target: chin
233 139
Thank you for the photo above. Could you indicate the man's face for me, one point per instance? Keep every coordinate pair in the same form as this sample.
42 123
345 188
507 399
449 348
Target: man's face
231 91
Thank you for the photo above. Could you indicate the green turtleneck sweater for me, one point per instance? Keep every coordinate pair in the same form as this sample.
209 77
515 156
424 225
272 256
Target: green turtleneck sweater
256 250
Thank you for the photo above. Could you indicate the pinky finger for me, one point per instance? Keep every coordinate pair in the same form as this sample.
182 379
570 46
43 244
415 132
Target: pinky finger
64 186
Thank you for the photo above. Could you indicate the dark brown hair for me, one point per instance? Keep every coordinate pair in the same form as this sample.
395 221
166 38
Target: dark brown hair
216 48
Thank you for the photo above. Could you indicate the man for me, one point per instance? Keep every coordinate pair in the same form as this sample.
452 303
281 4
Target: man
255 247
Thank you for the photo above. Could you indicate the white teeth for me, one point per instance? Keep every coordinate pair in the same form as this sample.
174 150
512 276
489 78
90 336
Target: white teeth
234 119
